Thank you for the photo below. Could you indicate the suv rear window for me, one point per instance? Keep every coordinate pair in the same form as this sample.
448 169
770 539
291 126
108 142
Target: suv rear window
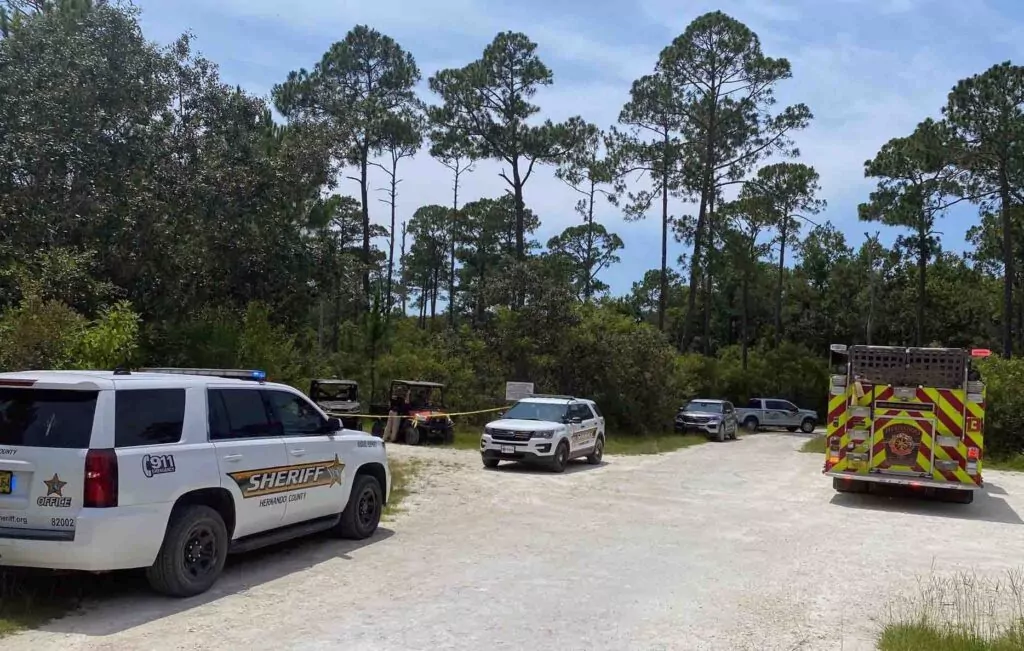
148 416
46 418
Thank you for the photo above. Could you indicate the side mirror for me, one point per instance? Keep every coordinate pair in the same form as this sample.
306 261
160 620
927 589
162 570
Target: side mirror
576 420
333 425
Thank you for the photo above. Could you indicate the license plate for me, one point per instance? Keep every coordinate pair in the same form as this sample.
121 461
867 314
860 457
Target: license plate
5 482
505 449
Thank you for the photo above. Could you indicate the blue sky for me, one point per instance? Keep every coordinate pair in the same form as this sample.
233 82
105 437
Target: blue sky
870 70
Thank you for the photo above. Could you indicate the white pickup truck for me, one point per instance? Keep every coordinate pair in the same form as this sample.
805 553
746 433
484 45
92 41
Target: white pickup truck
782 414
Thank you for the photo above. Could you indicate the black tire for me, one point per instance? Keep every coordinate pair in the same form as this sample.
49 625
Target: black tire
595 457
751 424
378 428
560 459
720 434
362 513
957 496
449 436
411 435
192 555
807 427
850 485
491 463
792 429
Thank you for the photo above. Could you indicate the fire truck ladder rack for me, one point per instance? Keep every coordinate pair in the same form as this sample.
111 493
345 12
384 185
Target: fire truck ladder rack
942 368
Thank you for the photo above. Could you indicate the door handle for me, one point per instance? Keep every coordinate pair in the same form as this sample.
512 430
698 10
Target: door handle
297 452
232 457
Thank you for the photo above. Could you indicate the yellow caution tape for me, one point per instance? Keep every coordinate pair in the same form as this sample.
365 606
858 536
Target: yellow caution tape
437 414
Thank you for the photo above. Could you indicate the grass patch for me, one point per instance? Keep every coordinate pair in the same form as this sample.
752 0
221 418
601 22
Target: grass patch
815 445
403 472
1013 464
467 437
963 612
657 444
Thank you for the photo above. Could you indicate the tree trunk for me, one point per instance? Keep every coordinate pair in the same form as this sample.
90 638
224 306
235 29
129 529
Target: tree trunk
364 195
517 187
1008 269
705 194
778 289
451 241
391 244
433 292
743 317
588 283
922 286
663 286
401 262
707 278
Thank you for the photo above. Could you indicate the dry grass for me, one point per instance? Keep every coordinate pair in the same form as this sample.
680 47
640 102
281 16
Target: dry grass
403 472
657 444
962 612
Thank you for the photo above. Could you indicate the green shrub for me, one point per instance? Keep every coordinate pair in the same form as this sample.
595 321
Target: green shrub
1004 413
40 334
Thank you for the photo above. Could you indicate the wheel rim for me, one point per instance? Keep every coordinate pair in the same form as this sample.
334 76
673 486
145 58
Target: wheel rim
599 450
367 510
199 555
562 454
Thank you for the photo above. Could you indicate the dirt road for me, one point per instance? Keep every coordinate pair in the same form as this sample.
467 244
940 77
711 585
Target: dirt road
740 545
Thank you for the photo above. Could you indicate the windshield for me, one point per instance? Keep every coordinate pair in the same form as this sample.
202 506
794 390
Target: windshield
547 411
703 406
420 397
334 392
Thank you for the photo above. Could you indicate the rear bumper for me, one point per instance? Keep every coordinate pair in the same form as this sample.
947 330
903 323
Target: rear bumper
905 481
119 538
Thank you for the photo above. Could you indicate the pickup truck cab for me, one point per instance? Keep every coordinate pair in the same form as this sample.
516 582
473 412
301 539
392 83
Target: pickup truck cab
782 414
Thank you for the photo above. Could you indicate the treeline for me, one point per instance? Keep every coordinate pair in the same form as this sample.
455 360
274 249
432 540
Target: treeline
164 217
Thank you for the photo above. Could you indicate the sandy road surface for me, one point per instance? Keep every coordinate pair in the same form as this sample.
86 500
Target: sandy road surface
741 545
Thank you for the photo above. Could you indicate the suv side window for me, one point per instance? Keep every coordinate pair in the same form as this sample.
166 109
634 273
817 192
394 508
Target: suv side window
581 411
293 415
777 404
727 408
148 416
238 414
596 410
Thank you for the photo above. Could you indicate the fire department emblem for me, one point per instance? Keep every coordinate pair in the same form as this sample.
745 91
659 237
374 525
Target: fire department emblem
902 442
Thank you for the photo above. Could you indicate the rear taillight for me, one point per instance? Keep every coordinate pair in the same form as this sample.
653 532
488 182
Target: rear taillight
973 454
100 479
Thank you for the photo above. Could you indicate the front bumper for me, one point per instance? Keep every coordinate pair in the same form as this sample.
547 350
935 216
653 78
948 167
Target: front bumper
535 449
697 428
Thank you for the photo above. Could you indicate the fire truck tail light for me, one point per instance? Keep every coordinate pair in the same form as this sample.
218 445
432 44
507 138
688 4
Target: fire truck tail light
973 453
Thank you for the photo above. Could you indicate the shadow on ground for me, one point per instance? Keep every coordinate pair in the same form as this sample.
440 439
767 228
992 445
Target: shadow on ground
574 466
129 595
904 499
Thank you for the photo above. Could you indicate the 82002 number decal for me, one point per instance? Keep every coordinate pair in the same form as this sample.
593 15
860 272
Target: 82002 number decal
62 522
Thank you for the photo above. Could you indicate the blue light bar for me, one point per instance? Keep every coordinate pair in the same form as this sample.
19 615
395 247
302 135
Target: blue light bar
259 376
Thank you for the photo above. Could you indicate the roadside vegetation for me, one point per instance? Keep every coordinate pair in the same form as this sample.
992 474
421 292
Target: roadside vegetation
963 612
403 474
815 445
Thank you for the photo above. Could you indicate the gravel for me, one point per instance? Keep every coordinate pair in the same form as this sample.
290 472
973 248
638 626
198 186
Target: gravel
739 545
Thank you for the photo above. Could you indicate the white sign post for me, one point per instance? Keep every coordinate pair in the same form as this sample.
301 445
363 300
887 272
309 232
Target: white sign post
517 390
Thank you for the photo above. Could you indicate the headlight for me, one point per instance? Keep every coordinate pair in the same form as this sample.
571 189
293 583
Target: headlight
488 431
713 421
543 435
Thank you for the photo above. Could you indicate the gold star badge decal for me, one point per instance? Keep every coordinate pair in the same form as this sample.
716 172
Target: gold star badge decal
54 486
334 470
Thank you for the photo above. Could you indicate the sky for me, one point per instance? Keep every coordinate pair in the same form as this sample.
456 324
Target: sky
869 70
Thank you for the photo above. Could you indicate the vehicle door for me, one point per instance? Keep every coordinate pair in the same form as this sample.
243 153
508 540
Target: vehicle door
314 485
729 418
585 432
792 415
250 454
776 413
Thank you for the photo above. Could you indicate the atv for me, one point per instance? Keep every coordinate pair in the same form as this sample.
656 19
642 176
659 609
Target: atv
338 398
421 405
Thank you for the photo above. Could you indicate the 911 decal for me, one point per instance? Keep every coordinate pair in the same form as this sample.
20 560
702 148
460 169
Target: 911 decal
157 464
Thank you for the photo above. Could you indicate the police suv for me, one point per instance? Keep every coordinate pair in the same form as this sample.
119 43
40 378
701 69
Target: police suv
172 469
548 430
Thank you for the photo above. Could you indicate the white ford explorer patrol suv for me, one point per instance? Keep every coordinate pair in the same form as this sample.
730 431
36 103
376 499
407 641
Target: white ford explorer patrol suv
172 470
547 430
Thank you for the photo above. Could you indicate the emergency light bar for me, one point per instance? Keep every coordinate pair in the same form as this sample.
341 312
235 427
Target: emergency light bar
230 373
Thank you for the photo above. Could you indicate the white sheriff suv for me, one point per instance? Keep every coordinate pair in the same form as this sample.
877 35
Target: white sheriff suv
172 469
548 430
